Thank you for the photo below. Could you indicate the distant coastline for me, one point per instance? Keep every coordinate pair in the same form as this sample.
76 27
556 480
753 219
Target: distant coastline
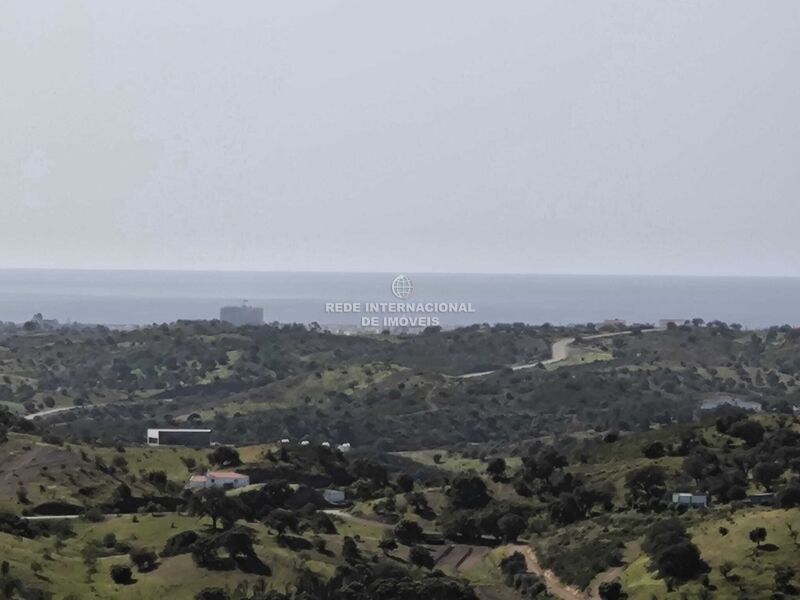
122 297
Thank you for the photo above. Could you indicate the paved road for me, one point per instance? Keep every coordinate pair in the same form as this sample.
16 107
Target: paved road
63 517
559 351
55 411
52 517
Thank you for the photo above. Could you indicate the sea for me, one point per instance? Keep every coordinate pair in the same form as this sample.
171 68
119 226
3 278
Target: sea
144 297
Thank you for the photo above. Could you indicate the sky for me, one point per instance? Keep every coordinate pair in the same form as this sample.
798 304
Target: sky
451 136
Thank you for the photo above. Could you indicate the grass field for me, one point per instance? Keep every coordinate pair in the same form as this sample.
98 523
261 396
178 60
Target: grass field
453 461
754 570
175 578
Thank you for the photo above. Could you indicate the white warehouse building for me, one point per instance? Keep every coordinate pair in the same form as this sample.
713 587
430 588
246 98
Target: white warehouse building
193 438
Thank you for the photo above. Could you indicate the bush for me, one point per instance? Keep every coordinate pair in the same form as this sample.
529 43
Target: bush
611 590
789 496
212 594
421 557
145 560
181 543
408 532
654 450
672 550
322 523
121 574
94 515
225 456
513 564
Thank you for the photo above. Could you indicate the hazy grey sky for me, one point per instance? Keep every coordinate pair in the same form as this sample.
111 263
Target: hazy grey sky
516 136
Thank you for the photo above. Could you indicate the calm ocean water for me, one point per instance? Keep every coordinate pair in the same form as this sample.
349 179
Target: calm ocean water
140 297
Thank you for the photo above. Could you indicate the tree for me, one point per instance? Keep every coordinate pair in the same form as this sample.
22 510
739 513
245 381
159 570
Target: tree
144 560
513 564
420 556
511 526
752 432
566 509
180 543
405 483
646 486
542 465
654 450
673 552
681 561
237 542
757 536
281 519
387 544
158 479
496 469
408 532
460 525
212 594
766 473
611 590
322 523
122 493
121 574
789 496
725 569
225 456
468 491
696 465
783 578
350 551
419 503
215 504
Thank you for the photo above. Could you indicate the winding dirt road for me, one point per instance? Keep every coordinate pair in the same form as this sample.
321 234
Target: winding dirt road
554 585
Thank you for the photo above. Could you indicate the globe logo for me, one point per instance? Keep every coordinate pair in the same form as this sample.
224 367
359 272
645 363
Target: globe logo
402 287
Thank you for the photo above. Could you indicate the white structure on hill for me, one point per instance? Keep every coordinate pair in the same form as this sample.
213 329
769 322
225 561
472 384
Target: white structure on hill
193 438
692 500
334 496
227 480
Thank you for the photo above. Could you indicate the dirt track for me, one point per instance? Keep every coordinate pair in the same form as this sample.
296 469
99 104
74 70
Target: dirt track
556 587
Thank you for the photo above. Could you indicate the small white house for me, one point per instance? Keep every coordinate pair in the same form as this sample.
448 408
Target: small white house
691 500
334 496
227 480
346 447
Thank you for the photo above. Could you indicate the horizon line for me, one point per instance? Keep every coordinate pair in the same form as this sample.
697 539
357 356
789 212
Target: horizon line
387 272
